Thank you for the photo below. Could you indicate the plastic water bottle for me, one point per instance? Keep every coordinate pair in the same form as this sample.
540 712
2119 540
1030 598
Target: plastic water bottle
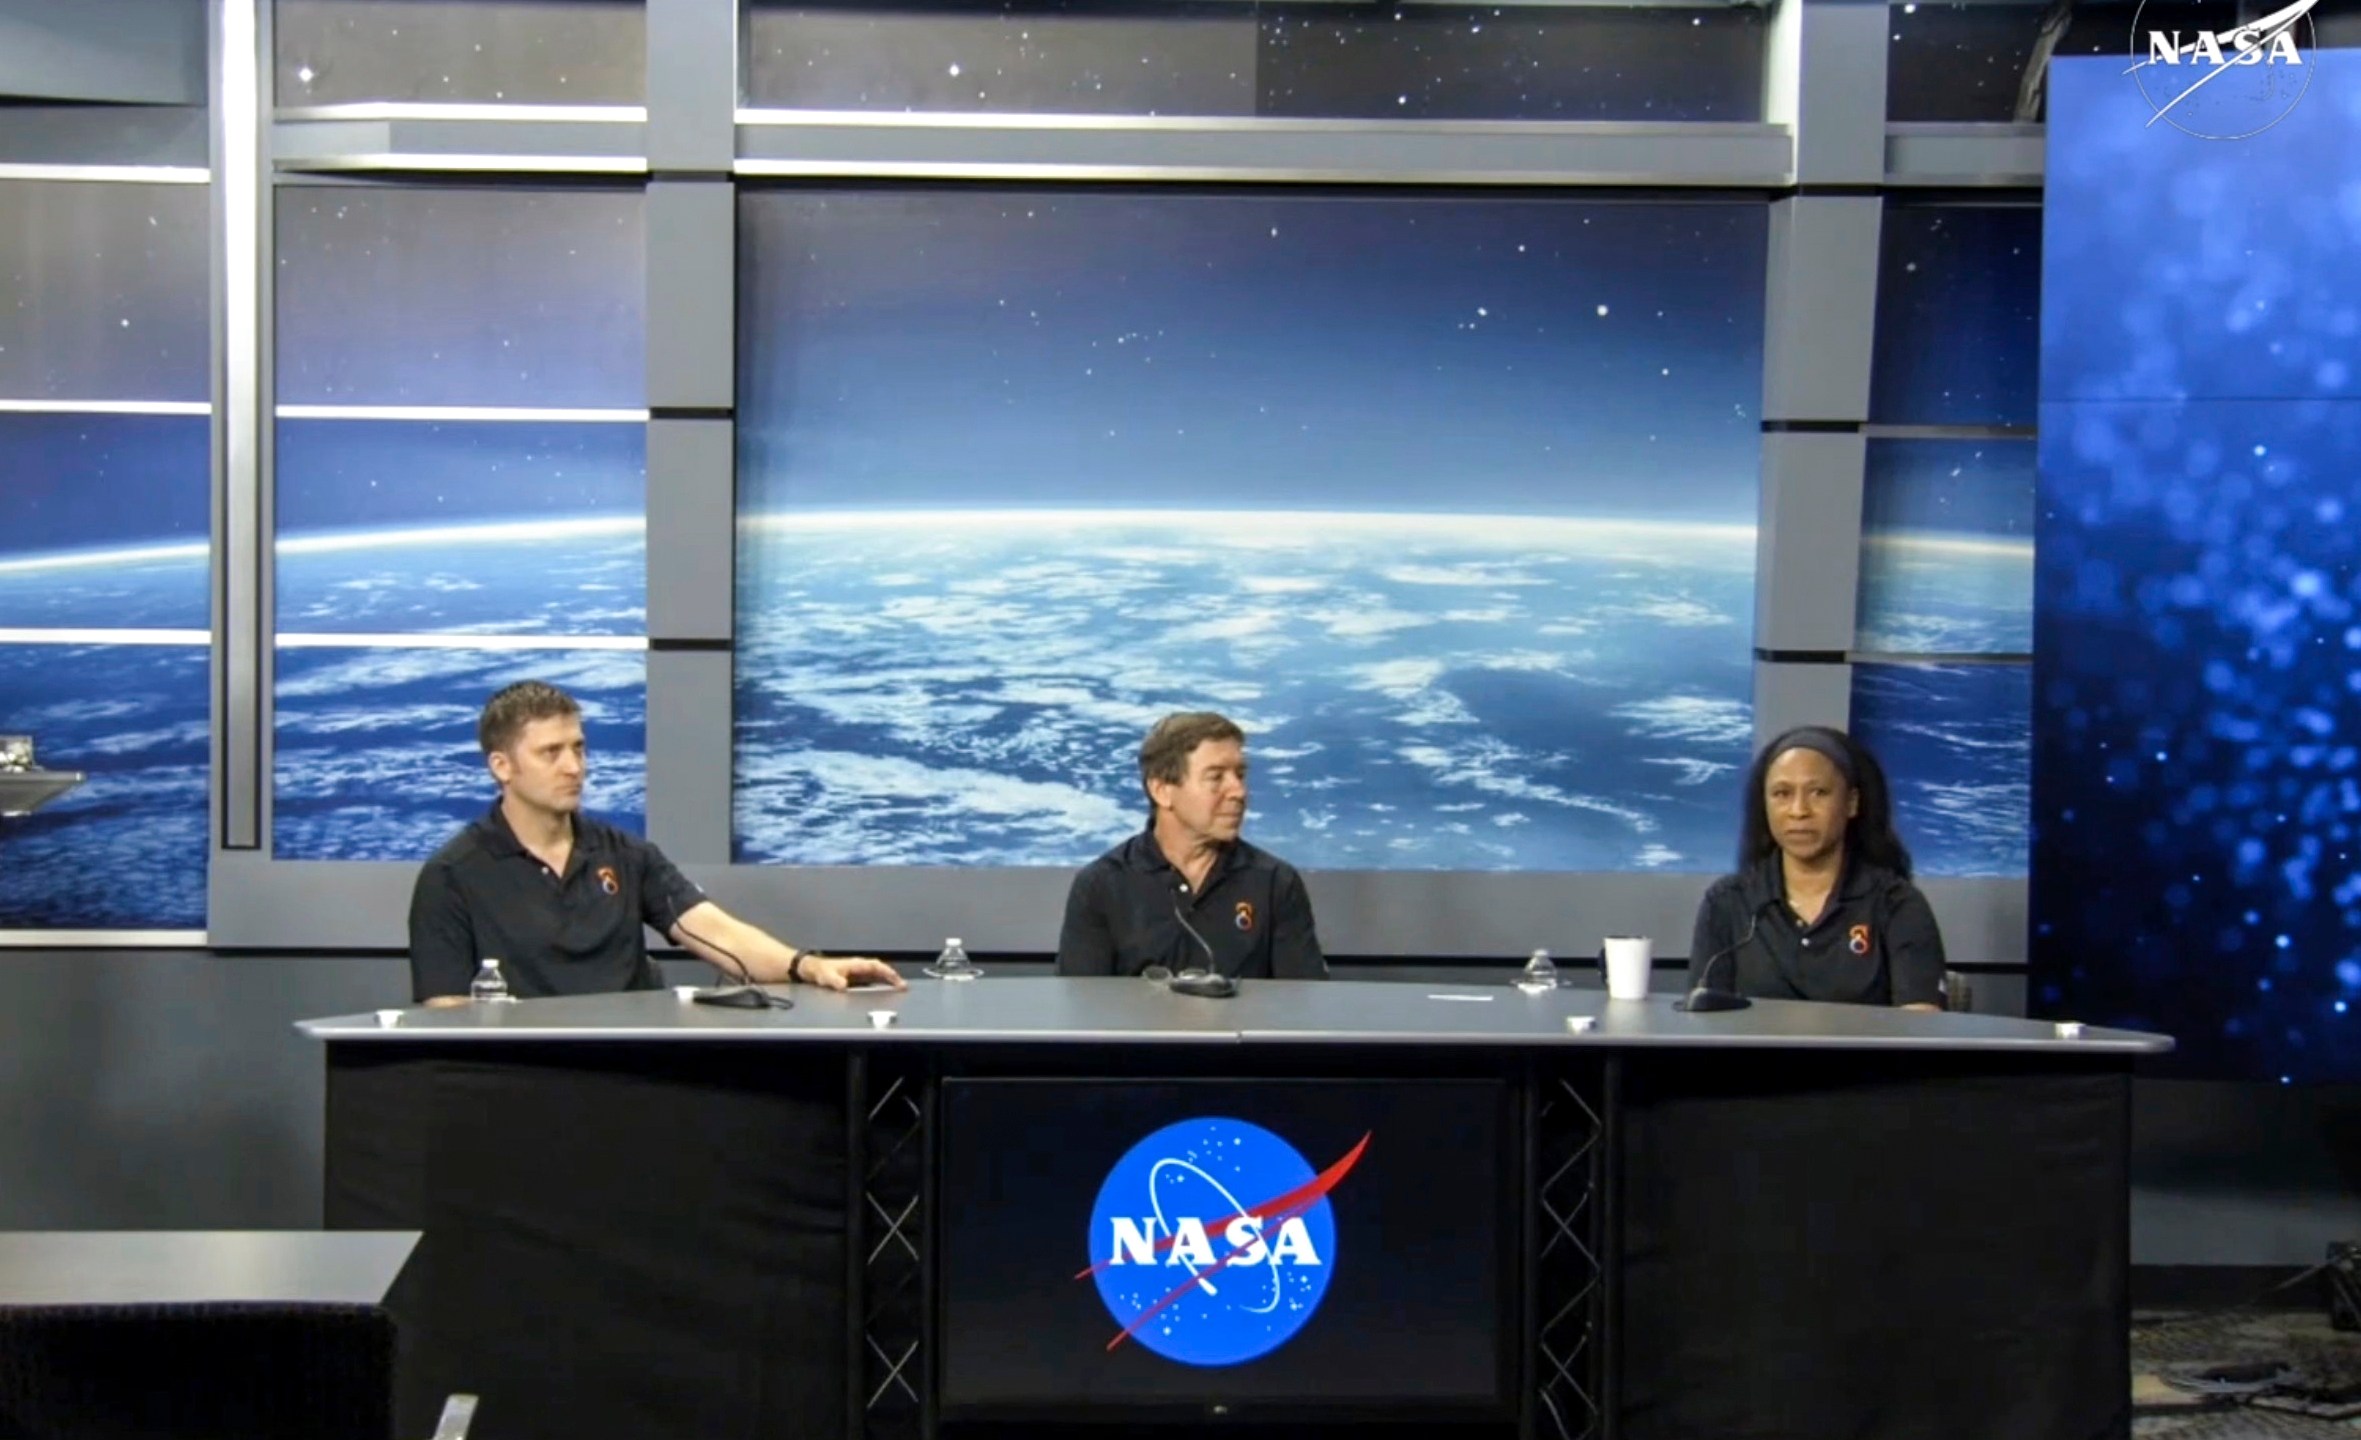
489 984
953 963
1541 974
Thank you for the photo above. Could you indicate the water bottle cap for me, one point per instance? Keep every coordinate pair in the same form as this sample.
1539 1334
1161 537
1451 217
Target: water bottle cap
953 942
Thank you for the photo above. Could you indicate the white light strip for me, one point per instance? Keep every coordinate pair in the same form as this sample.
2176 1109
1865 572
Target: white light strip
84 559
10 636
464 110
494 164
106 407
148 174
1945 542
762 118
101 939
1060 170
295 641
331 541
1272 527
460 413
309 641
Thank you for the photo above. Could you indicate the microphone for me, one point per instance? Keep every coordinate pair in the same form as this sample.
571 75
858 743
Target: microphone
745 995
1704 999
1209 983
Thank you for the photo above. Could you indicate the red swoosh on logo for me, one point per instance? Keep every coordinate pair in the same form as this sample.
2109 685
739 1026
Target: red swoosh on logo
1303 1197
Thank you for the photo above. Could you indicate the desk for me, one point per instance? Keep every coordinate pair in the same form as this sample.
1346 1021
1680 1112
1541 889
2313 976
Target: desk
199 1267
264 1334
644 1216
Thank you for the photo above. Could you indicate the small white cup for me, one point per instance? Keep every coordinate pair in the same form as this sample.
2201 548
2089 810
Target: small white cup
882 1019
684 993
388 1019
1628 960
1580 1024
2069 1030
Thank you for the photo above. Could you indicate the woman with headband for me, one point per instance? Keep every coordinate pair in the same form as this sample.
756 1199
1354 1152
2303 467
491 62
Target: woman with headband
1822 907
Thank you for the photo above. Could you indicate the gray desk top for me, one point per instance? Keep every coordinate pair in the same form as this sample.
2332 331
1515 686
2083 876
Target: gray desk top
156 1267
1044 1009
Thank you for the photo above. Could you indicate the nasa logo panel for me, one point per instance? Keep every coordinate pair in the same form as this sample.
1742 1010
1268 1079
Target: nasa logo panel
1213 1242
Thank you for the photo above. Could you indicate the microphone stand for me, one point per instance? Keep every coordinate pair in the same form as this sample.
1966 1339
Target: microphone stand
1704 1000
1210 983
745 995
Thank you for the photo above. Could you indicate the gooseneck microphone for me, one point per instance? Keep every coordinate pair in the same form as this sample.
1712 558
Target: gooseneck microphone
1209 983
1705 999
745 995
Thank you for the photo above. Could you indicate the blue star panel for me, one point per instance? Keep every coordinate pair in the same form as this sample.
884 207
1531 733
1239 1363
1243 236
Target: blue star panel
2198 592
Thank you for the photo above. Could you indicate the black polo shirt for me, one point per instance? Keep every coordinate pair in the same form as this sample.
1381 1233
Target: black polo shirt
1124 914
484 895
1876 943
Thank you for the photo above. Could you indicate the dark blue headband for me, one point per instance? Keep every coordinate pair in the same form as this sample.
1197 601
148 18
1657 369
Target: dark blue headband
1820 740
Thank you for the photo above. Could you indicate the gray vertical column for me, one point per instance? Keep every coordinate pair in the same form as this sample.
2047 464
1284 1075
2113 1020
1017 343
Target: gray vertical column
240 89
691 540
691 221
1835 97
692 87
1827 82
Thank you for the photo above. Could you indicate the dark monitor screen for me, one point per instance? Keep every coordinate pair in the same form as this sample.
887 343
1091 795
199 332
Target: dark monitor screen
1267 1247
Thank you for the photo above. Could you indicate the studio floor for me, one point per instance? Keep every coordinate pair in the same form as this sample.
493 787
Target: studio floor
2272 1375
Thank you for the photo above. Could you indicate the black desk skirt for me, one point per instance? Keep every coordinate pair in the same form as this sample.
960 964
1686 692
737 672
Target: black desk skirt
1830 1246
617 1241
256 1370
670 1239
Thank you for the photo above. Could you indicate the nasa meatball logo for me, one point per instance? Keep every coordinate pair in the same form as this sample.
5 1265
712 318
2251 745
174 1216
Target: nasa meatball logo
2224 84
1213 1241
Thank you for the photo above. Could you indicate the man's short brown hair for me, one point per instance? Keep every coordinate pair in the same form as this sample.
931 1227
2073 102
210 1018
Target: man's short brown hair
508 713
1164 755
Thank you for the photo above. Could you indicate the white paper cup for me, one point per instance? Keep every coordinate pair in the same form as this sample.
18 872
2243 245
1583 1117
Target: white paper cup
388 1019
881 1019
684 993
1628 960
1581 1024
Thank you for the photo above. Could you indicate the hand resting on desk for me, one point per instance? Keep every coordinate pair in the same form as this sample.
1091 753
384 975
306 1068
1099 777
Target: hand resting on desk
843 972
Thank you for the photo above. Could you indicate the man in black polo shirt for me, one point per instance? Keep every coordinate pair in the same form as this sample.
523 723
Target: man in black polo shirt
558 898
1187 893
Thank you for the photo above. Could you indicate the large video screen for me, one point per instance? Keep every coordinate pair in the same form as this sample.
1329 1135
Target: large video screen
2197 630
1943 641
1449 501
1267 1246
423 559
105 578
